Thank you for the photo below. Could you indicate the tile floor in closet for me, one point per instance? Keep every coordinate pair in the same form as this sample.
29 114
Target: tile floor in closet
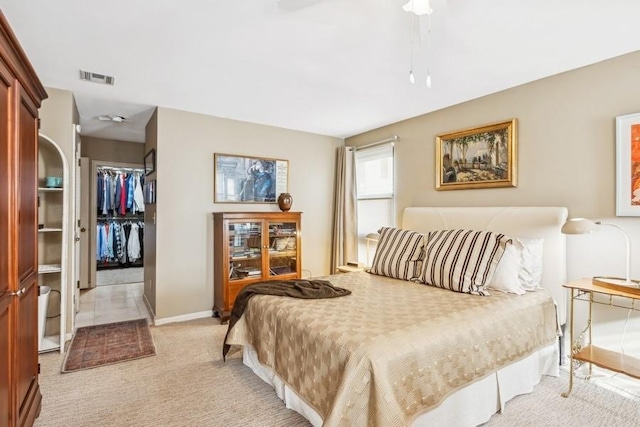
111 301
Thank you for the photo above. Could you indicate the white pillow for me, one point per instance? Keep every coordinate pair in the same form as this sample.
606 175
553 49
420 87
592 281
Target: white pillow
520 268
531 263
505 278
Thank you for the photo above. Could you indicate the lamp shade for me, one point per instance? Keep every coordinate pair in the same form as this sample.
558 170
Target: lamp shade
579 226
419 7
586 226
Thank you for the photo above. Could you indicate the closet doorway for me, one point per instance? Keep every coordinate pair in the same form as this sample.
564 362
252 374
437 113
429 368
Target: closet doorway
116 273
121 254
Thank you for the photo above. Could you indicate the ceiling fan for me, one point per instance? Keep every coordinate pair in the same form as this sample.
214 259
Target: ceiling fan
113 118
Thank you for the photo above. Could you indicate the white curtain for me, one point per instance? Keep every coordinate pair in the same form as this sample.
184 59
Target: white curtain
344 239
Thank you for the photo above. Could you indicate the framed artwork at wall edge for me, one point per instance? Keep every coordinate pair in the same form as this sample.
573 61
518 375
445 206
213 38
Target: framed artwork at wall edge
150 162
480 157
149 192
245 179
628 165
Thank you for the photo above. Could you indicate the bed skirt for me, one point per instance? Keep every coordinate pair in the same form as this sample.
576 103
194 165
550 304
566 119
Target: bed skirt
469 406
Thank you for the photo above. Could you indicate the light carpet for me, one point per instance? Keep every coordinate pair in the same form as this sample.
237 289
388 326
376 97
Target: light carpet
187 384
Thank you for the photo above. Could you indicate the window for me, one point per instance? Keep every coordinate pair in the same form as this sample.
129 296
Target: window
375 192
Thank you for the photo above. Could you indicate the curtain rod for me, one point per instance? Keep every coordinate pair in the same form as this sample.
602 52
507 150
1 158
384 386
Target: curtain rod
394 138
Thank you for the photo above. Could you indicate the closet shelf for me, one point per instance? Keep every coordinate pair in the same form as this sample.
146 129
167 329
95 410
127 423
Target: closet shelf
50 189
49 268
122 218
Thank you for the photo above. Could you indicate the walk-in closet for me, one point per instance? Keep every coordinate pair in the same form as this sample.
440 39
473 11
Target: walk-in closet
116 229
119 225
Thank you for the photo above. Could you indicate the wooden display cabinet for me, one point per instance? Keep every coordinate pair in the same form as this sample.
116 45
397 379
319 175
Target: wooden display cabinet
251 247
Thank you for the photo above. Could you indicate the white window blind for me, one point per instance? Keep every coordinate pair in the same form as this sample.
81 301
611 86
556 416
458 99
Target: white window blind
375 192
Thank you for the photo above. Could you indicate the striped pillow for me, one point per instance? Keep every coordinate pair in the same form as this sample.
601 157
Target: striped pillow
462 260
399 253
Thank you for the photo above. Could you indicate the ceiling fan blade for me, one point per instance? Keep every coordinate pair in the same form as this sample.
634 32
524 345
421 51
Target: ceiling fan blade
113 118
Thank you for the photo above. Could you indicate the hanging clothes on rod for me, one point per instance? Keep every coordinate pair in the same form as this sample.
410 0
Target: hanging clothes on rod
119 191
119 243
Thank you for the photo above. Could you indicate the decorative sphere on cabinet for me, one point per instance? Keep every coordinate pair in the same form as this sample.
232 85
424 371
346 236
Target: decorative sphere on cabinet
285 201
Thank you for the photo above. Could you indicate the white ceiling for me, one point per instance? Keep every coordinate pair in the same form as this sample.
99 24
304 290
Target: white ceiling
332 67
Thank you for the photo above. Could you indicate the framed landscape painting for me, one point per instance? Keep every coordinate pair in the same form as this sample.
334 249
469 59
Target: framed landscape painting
628 165
481 157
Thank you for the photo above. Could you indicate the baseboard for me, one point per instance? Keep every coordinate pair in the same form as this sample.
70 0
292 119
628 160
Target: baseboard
152 315
182 318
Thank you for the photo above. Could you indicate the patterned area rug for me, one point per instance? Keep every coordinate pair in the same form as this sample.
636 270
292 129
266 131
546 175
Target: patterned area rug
100 345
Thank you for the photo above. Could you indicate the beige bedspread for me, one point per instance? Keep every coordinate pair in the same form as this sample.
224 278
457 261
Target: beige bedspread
392 349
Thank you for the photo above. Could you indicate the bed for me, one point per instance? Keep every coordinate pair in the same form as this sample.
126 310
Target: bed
394 353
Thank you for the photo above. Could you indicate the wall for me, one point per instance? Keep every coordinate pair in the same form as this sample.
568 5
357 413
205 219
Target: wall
151 143
186 143
112 150
566 157
57 118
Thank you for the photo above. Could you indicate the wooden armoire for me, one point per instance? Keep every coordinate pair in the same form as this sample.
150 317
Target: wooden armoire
20 96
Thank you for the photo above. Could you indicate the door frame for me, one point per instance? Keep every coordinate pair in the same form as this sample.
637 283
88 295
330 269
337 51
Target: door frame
93 217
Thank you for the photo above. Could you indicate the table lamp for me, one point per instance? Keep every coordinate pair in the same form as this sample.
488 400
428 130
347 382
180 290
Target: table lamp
586 226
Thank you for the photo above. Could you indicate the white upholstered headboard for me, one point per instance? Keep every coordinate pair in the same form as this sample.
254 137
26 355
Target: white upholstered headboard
525 222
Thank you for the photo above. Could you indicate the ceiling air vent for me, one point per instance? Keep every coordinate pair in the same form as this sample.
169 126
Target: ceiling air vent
97 78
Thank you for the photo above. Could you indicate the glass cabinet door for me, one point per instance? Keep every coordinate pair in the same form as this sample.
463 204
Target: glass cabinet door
245 250
283 250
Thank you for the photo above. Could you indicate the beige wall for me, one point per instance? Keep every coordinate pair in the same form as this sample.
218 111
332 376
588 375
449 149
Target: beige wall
57 118
566 157
186 143
149 222
112 150
566 146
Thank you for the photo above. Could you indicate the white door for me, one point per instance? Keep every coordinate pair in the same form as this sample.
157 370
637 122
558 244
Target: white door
80 270
75 264
82 223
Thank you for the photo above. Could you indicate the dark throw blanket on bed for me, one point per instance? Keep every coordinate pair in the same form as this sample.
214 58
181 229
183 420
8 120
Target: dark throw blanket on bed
295 288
